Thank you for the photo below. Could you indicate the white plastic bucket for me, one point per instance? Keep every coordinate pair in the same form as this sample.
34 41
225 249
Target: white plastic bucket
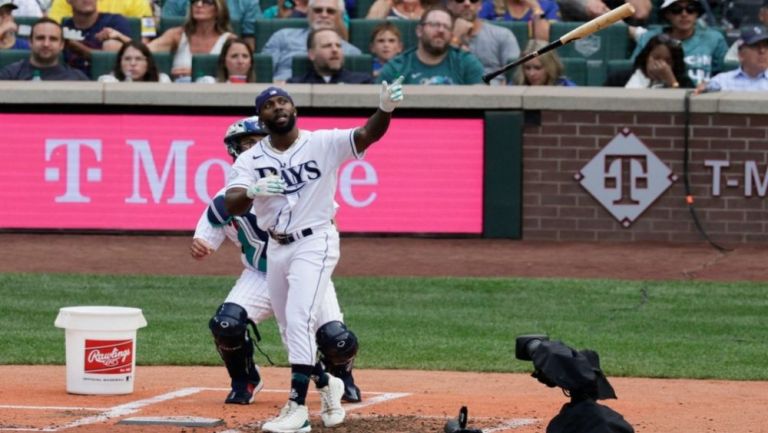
100 348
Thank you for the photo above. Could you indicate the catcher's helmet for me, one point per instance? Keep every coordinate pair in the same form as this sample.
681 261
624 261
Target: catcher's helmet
248 126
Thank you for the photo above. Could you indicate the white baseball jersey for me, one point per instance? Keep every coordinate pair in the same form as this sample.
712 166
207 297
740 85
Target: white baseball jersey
309 168
250 291
299 272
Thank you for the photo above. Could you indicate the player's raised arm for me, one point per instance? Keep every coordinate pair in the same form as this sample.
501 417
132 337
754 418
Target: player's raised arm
390 97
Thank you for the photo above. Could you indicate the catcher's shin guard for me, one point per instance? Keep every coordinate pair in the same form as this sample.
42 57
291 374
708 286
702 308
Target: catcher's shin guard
229 327
338 347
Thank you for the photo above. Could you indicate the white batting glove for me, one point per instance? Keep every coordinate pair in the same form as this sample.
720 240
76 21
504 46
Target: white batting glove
266 186
391 95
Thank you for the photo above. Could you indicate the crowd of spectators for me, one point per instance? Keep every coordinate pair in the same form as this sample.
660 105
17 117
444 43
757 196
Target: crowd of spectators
669 43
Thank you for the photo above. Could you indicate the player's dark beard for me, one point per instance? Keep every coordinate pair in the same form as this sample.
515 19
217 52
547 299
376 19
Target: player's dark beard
277 129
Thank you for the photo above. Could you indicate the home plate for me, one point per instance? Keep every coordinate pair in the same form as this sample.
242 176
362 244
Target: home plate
181 421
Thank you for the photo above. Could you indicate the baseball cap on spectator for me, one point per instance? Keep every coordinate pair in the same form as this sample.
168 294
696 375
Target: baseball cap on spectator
270 92
668 3
8 3
753 35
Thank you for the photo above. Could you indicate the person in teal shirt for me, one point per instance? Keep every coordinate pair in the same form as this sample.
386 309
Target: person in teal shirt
434 60
704 48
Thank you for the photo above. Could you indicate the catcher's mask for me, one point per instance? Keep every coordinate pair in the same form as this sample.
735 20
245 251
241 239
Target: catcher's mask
243 127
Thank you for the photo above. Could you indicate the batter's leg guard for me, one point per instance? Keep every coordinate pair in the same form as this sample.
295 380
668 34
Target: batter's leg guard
338 347
229 327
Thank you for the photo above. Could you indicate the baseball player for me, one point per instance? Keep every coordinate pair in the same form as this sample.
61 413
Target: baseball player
248 301
289 178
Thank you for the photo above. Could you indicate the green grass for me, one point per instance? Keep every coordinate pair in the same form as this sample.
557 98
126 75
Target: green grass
645 329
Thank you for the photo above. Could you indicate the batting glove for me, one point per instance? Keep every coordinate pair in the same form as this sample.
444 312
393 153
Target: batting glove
391 95
266 186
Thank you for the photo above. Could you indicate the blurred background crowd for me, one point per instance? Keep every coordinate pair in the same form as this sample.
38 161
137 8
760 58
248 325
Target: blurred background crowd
706 45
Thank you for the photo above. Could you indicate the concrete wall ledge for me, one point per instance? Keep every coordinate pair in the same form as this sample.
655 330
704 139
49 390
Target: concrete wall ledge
366 96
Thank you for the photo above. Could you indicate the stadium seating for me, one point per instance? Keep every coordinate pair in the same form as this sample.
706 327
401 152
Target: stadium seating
266 4
363 6
576 69
619 67
168 23
12 56
265 28
102 63
205 64
360 32
519 28
609 43
361 63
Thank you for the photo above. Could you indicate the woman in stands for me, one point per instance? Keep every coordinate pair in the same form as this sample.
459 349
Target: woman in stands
206 30
135 63
544 70
235 64
660 64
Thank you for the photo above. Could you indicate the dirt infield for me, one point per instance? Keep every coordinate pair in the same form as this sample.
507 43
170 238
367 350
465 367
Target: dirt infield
396 257
397 401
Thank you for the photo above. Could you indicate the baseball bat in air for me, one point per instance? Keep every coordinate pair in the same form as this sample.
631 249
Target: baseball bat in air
579 32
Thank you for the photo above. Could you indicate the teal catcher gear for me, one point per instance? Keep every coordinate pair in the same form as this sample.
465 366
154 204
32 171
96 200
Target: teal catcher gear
248 126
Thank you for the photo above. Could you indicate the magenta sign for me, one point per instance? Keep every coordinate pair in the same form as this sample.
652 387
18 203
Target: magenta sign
157 172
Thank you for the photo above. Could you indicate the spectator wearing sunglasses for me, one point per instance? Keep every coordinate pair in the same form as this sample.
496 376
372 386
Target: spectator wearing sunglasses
204 32
537 13
244 11
286 43
493 45
752 73
434 60
704 48
298 9
659 65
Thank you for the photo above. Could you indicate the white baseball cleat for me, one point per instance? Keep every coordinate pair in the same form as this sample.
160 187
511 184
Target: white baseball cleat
293 418
330 402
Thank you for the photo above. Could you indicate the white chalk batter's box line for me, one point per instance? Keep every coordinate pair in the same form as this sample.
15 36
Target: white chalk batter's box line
133 407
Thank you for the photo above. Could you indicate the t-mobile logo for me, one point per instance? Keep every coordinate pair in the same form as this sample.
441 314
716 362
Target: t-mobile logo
625 177
72 157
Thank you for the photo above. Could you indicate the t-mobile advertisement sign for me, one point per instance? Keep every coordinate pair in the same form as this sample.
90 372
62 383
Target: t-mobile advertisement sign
157 172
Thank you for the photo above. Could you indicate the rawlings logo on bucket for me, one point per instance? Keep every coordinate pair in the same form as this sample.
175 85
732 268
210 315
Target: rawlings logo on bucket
108 356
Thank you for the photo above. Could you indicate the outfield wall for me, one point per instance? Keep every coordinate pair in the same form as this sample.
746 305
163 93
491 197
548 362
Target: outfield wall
532 163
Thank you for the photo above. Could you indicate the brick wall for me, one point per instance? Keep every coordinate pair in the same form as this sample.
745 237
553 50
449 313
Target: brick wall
557 207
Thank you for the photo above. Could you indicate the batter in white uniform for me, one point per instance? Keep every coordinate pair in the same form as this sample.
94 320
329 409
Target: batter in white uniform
248 301
290 180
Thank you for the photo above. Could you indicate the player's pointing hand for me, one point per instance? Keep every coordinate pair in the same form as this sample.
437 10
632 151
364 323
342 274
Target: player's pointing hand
266 186
391 95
